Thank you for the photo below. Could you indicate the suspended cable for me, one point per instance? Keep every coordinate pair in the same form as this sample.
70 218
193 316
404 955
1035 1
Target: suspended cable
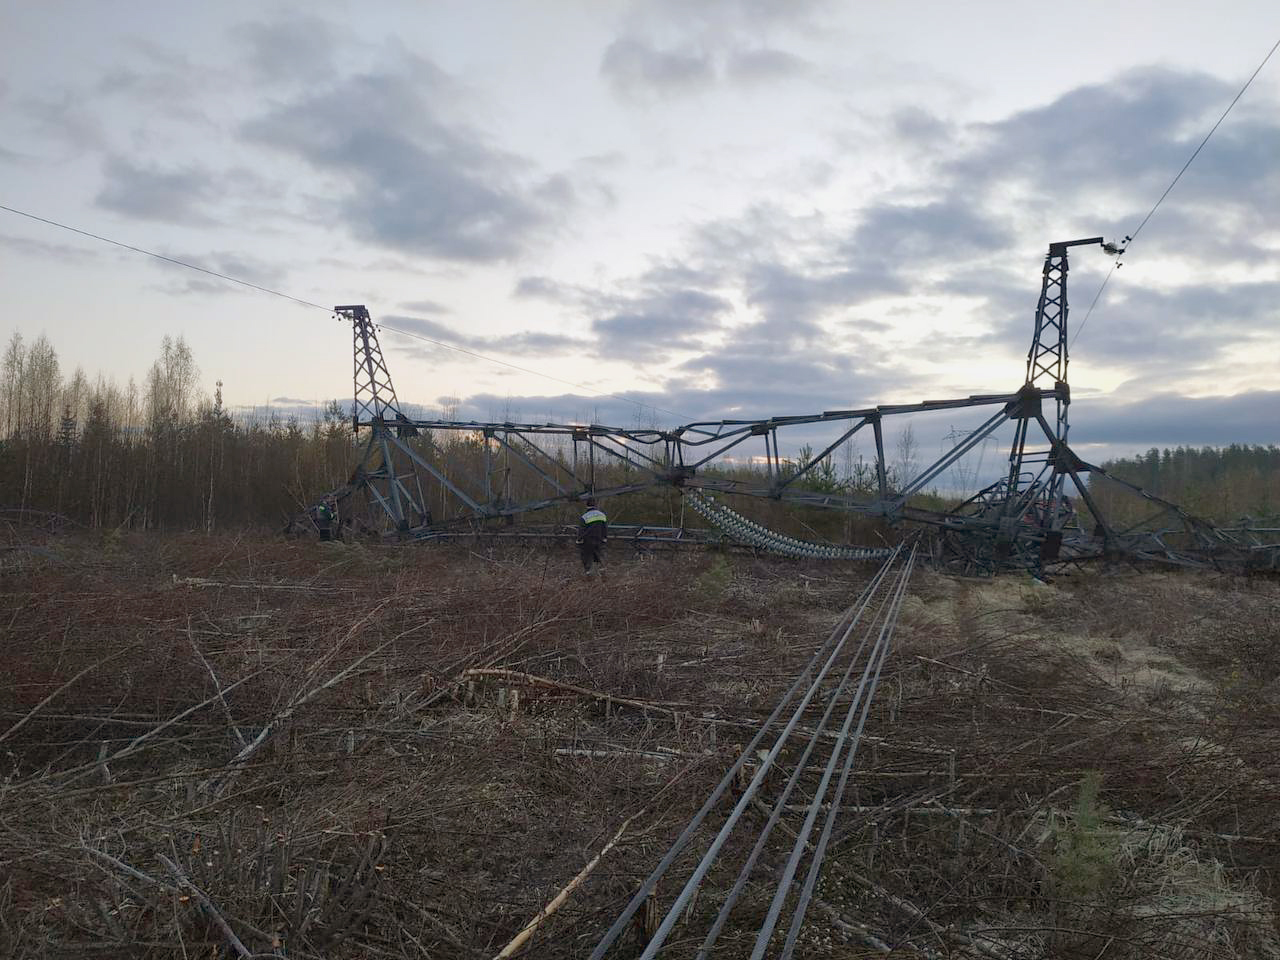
1096 297
160 256
1173 183
307 303
1195 153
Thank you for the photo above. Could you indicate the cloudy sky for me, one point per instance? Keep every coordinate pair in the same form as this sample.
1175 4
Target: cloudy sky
723 208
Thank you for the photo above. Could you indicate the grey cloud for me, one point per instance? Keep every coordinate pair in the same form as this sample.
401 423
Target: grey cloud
531 341
303 48
176 196
640 70
706 43
1096 158
636 68
801 267
160 79
240 266
902 234
663 309
49 251
424 306
793 366
524 342
745 386
1161 335
1135 124
427 328
229 264
1168 419
761 232
545 288
662 320
65 119
733 18
1092 162
414 182
790 292
919 127
1191 323
764 64
1128 137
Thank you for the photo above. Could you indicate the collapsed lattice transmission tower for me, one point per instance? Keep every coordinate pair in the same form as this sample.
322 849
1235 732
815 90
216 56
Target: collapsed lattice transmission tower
1049 508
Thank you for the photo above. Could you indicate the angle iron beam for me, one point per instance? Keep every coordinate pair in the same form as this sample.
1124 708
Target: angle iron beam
882 474
439 475
529 463
955 453
720 451
817 459
626 457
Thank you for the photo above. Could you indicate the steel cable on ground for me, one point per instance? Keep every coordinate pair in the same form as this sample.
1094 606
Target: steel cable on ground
709 857
834 643
779 807
819 853
847 747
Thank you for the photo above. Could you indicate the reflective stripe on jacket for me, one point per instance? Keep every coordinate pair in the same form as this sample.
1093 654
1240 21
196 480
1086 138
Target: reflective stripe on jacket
593 527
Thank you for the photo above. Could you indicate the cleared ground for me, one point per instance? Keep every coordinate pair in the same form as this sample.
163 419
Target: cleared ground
345 751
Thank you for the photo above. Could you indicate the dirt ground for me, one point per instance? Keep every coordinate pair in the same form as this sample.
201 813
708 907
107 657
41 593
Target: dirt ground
324 750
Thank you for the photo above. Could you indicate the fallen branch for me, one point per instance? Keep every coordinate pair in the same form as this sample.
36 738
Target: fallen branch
530 680
207 905
852 928
251 585
299 702
226 707
134 745
608 754
898 808
505 648
53 696
559 899
127 869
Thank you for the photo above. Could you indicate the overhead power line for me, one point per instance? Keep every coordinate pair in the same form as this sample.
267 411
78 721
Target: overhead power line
329 310
161 256
1195 153
1173 183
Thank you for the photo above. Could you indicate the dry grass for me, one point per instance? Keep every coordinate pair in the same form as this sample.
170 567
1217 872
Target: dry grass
389 803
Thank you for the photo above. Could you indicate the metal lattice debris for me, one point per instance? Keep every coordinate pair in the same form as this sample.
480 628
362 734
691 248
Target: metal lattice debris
1045 512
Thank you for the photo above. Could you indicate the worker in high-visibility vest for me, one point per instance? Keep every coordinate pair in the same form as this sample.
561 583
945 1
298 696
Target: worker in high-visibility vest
593 533
324 517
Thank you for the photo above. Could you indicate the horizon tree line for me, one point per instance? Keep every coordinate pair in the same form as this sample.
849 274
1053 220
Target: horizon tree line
162 454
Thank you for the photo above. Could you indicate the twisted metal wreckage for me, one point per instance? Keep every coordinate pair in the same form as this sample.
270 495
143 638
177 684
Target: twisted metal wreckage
1025 520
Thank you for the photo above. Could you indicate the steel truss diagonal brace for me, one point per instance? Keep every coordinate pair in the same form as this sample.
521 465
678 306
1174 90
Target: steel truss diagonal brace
1022 520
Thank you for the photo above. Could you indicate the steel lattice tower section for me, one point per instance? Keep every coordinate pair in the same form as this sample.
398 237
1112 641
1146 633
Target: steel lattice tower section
1022 521
1047 358
1033 490
375 396
375 406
